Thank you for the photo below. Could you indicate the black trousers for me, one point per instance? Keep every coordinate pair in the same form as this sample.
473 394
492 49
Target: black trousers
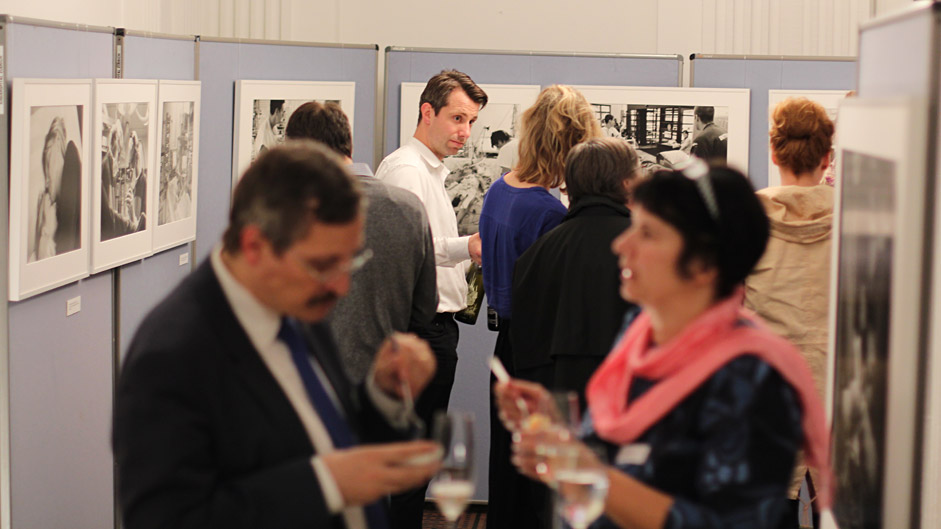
442 335
514 501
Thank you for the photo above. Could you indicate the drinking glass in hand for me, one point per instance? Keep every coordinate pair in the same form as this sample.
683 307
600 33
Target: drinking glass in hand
453 485
582 486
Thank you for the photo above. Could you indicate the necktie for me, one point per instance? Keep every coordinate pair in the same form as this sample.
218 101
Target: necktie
330 416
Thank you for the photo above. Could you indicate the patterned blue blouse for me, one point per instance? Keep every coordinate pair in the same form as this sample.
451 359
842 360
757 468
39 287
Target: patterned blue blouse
726 453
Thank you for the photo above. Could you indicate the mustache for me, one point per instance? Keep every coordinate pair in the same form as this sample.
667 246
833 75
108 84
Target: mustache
324 299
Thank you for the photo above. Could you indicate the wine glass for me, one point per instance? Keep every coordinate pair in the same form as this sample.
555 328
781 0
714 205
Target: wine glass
557 442
453 485
582 486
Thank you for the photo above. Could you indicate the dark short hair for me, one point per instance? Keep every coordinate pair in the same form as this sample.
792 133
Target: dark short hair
275 105
326 123
498 137
705 114
289 188
439 88
601 167
607 118
733 243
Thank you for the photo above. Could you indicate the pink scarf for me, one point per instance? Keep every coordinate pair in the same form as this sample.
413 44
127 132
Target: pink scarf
682 365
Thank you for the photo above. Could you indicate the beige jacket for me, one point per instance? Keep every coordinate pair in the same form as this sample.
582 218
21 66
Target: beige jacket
790 286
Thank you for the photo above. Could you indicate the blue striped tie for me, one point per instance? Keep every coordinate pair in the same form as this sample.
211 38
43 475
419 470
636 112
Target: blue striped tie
330 416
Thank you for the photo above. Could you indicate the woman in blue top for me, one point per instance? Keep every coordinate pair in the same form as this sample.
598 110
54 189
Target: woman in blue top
517 210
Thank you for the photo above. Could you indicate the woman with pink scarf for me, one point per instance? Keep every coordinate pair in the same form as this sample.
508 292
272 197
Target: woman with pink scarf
703 409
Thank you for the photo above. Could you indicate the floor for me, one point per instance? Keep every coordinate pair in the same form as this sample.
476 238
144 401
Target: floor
475 517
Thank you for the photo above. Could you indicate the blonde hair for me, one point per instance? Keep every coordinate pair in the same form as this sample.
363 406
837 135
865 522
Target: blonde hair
560 119
801 134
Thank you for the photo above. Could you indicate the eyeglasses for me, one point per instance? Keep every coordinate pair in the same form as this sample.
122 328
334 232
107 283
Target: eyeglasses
697 170
349 267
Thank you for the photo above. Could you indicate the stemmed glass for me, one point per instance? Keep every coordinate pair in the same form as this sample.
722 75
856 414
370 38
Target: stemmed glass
582 486
453 485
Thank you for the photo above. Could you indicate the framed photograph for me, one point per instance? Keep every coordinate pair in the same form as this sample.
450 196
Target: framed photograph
875 310
664 126
50 175
178 163
262 110
491 150
123 192
828 99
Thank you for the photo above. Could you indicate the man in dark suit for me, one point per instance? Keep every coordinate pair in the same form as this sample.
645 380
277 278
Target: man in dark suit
231 414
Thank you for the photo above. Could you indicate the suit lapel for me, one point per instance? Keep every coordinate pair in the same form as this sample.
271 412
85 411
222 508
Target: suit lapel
245 360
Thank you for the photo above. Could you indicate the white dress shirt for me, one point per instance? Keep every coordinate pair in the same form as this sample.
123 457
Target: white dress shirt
415 168
261 324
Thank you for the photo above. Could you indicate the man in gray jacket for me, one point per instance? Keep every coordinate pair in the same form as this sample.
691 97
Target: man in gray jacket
396 290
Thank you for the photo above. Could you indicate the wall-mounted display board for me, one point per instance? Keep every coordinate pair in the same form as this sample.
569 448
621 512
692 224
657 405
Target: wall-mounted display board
471 391
224 62
171 58
262 110
49 184
55 347
900 57
761 73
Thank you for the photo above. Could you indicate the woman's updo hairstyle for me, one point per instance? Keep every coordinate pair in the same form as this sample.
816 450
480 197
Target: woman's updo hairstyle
801 134
731 238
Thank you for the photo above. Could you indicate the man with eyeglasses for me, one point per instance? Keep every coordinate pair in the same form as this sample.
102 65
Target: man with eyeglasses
396 290
231 413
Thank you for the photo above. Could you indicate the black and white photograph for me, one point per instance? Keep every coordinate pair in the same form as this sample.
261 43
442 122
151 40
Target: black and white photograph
175 199
49 182
270 118
862 337
264 107
55 180
491 150
125 137
668 125
178 162
828 99
875 324
125 171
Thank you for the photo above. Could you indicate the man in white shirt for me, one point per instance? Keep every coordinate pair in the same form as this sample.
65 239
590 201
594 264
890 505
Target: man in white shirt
229 412
448 107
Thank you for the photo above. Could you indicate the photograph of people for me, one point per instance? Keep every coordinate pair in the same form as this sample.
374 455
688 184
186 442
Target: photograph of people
56 179
123 172
176 163
701 408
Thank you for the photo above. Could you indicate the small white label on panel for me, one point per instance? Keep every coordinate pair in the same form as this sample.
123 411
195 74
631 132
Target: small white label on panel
73 305
184 258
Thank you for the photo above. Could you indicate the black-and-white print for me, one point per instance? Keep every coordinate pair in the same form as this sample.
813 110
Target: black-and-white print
863 295
665 135
124 145
491 150
269 119
55 181
175 198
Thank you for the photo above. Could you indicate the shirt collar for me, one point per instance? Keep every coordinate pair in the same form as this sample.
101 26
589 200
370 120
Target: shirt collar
360 169
261 323
428 156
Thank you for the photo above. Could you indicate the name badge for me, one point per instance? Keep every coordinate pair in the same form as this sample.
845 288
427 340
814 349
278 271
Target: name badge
633 454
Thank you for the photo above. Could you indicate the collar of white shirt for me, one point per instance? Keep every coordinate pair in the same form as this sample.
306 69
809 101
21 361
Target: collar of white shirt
434 164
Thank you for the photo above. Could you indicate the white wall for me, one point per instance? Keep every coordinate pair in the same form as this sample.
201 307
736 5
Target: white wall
770 27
